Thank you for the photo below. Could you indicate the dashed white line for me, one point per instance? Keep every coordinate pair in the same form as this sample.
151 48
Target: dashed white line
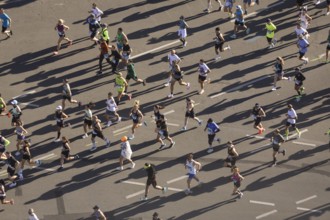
246 16
309 210
239 87
261 148
46 157
255 136
29 104
135 194
24 94
134 183
155 49
295 134
303 143
122 129
176 179
262 203
171 124
318 57
306 199
90 144
119 133
266 214
169 112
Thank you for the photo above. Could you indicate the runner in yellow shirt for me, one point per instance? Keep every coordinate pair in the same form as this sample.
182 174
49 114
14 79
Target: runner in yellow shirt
271 28
120 85
2 106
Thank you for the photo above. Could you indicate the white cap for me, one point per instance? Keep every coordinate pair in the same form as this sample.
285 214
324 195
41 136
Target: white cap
14 102
238 7
59 107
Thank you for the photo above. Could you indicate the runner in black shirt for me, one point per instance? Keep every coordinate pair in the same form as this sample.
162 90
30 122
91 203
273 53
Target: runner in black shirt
13 165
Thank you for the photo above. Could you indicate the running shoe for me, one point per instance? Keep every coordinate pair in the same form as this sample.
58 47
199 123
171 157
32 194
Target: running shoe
241 195
248 30
220 7
328 13
133 165
287 137
11 32
228 46
144 198
12 202
38 163
200 122
120 168
218 57
55 52
233 36
185 44
76 157
188 86
219 140
188 191
274 88
131 137
274 164
119 119
8 115
57 140
13 184
201 92
166 84
207 10
210 150
129 96
164 190
60 168
79 104
144 82
299 134
85 136
109 123
171 145
162 147
306 61
183 128
170 96
93 148
317 2
108 144
259 131
245 13
283 152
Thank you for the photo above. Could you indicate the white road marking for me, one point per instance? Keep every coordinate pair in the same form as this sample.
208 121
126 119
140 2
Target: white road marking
169 112
318 57
155 49
255 136
262 203
176 179
24 94
302 143
309 210
46 157
90 144
135 194
29 104
239 87
306 199
134 183
295 134
246 16
175 189
175 125
122 129
119 133
266 214
261 148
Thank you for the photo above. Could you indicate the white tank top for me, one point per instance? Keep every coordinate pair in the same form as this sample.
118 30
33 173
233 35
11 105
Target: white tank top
191 167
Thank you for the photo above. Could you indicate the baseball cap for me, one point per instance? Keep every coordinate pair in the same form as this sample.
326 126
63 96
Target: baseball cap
59 107
238 6
14 102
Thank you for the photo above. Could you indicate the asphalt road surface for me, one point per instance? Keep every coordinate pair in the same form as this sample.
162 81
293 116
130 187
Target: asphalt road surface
297 188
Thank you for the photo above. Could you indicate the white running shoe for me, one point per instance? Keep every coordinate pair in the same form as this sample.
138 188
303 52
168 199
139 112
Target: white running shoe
93 148
57 140
233 36
183 128
317 2
133 165
120 168
109 123
201 92
119 119
188 86
85 136
12 185
210 150
248 30
274 88
170 96
166 84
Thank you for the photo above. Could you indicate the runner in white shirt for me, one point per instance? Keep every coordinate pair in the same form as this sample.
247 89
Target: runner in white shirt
32 215
299 30
291 121
193 167
203 70
97 12
172 59
126 153
111 110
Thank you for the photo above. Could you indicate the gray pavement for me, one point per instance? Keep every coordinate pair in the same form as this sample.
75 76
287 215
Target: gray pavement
298 188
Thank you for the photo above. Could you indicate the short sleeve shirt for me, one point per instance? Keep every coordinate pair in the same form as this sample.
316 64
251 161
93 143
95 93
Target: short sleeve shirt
303 43
5 20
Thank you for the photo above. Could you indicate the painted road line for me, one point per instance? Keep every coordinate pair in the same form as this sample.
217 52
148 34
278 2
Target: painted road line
246 16
295 134
169 112
90 144
119 133
29 104
239 87
134 183
24 94
262 203
175 125
318 57
48 156
3 172
309 210
255 136
303 143
260 148
175 189
122 129
135 194
176 179
306 199
155 49
266 214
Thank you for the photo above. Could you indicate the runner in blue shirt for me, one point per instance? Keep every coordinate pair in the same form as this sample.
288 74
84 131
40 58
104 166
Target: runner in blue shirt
302 44
6 23
239 22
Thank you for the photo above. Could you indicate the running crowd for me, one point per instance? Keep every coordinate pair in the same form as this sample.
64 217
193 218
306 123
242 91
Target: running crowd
118 56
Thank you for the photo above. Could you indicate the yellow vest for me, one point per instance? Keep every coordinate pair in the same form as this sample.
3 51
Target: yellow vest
270 30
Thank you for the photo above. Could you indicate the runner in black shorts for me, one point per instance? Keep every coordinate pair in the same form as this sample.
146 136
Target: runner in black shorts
65 153
219 42
277 139
190 114
232 155
27 157
177 75
59 117
162 131
13 165
151 170
298 83
3 194
97 132
87 119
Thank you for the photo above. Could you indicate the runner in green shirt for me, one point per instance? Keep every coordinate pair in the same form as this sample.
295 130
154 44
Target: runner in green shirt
271 28
131 74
